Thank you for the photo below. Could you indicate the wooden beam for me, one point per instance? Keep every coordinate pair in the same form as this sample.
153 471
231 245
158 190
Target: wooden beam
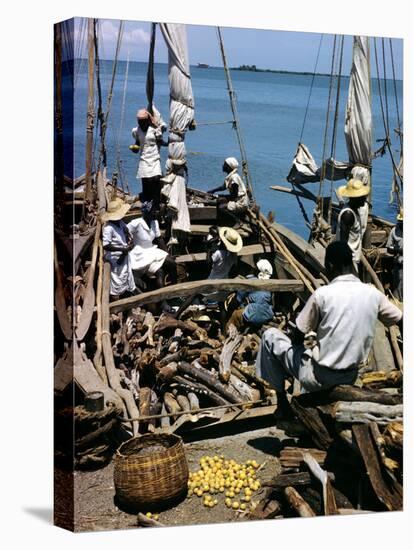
206 286
303 193
247 250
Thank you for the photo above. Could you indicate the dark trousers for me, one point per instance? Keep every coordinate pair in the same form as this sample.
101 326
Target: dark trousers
151 190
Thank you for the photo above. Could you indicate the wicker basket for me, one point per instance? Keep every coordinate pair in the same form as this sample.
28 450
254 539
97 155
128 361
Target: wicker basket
151 472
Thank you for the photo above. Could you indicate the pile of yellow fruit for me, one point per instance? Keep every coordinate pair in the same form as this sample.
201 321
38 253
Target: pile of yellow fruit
217 475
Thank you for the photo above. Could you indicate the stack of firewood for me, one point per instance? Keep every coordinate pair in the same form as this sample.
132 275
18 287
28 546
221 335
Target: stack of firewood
173 367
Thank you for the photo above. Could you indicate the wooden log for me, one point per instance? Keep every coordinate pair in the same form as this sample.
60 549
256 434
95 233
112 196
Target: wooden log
112 372
303 509
171 403
144 406
379 379
201 390
285 480
165 420
88 305
168 372
388 491
176 339
97 359
330 506
245 391
367 412
393 437
311 419
66 324
230 345
294 456
193 400
207 286
207 378
347 393
183 402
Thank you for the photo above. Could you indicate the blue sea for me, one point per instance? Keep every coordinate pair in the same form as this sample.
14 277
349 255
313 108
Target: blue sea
271 110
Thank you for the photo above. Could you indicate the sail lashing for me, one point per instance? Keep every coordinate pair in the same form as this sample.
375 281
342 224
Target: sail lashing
181 118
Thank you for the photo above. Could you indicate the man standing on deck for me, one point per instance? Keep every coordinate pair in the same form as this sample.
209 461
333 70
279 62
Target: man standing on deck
343 314
352 220
395 247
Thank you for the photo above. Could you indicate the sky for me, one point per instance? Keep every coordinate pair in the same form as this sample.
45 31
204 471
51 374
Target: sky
267 49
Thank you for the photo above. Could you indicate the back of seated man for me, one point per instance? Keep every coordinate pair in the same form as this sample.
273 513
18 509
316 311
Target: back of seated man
343 314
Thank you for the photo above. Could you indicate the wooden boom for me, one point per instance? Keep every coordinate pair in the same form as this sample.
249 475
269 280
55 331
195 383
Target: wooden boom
204 287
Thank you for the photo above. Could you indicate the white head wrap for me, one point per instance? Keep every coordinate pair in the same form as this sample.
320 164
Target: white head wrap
265 269
232 162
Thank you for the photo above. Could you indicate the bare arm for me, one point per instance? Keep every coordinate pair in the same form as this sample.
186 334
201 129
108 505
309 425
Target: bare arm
346 222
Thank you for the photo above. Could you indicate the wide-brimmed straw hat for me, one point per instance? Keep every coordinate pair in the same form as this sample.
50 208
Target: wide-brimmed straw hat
400 215
231 239
353 189
116 210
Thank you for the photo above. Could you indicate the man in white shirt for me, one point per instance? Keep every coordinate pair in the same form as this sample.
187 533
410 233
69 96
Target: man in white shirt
343 314
395 247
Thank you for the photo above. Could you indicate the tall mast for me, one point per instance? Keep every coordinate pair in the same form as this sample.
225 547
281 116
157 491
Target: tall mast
233 103
90 107
59 151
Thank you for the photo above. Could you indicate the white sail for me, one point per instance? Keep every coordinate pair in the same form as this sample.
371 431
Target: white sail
358 122
181 107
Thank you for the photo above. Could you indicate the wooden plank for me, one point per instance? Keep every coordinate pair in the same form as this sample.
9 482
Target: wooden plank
206 286
303 193
313 255
203 229
208 213
388 491
247 250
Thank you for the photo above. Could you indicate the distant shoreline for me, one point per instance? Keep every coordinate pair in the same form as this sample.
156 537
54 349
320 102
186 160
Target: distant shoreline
254 69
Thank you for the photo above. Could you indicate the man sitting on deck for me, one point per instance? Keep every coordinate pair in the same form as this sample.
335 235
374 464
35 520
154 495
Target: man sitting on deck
344 315
236 202
352 220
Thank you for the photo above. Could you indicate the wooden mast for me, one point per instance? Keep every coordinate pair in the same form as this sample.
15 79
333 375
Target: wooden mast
90 108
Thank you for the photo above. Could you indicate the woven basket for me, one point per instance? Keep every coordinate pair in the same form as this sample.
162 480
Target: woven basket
150 472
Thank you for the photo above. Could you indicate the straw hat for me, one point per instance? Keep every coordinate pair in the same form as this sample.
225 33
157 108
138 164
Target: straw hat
231 239
116 210
400 215
354 188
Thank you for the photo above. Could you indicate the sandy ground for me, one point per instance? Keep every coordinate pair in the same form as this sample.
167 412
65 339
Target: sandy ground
95 509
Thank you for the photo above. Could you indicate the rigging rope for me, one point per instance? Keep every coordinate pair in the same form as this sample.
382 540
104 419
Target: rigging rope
236 125
122 117
311 87
386 129
334 139
323 165
399 126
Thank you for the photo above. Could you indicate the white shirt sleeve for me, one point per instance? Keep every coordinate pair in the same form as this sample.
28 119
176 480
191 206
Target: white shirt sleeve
155 229
135 134
308 318
133 225
106 235
389 314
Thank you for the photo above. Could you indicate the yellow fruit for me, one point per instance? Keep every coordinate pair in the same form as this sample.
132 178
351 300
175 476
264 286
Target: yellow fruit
243 506
235 505
237 490
221 489
190 492
148 514
228 502
247 498
156 516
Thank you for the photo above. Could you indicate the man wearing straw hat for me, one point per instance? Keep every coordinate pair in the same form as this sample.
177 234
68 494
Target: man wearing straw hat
352 220
117 242
395 247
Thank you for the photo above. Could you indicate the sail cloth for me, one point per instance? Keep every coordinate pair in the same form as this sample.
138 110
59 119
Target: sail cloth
181 107
357 129
305 169
358 122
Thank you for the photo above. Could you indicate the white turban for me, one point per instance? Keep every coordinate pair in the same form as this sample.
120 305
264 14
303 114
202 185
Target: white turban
265 269
232 162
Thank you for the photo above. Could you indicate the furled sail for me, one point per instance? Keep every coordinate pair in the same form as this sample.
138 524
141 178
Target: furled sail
305 169
181 117
358 122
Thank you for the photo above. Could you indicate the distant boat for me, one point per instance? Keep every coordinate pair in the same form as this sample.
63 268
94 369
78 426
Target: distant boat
203 66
